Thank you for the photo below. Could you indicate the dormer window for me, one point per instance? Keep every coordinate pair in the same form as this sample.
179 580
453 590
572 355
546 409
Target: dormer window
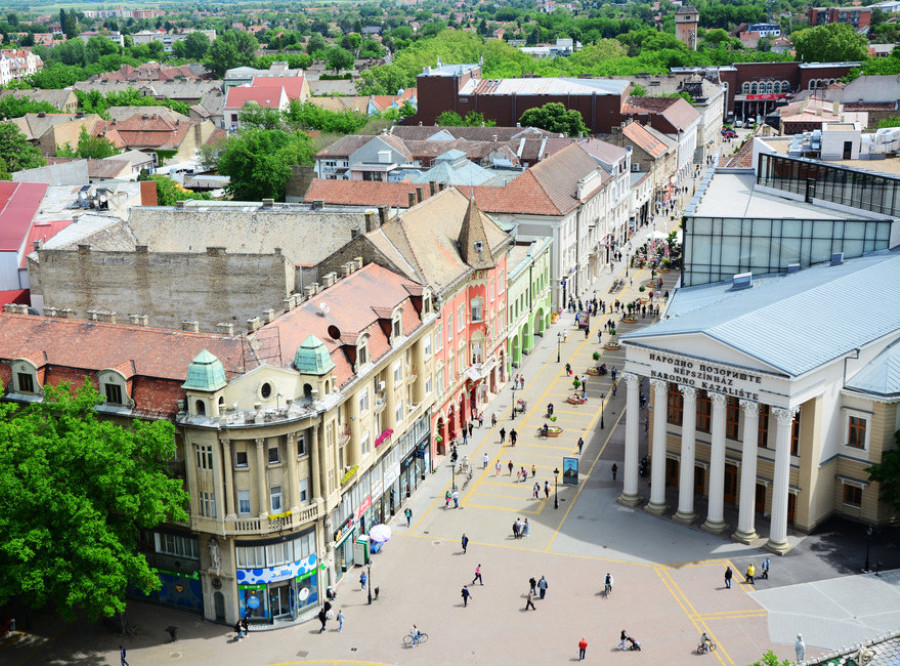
362 351
396 325
24 377
426 303
114 388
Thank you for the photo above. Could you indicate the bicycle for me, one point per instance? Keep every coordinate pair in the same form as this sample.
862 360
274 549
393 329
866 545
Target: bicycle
607 590
706 646
410 641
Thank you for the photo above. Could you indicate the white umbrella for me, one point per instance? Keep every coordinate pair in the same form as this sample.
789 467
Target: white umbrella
659 235
380 532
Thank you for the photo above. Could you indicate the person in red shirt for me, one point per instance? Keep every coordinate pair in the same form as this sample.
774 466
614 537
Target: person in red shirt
582 647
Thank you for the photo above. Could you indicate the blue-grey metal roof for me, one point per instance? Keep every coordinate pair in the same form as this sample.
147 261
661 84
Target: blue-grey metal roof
794 322
881 376
466 174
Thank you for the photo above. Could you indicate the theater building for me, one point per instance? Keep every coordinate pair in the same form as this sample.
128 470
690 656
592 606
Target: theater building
771 394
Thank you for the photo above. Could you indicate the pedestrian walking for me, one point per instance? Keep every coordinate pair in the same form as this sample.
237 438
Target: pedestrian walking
245 625
580 444
546 490
497 468
464 541
478 575
542 586
765 569
323 618
529 601
122 654
502 435
510 467
471 428
466 595
523 475
532 585
465 436
515 528
447 500
481 420
513 436
238 630
340 619
408 514
493 420
615 469
751 571
484 461
536 491
455 499
582 648
569 369
520 527
614 387
362 580
527 529
533 471
728 574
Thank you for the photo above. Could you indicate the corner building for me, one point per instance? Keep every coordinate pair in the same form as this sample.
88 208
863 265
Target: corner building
772 394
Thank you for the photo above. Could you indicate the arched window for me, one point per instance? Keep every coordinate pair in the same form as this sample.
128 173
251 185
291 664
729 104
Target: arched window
308 392
25 377
770 87
753 88
362 351
746 87
200 408
115 388
396 325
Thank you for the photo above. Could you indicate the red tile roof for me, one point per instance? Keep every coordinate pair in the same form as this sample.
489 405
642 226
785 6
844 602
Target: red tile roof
354 305
363 192
18 204
144 131
675 110
268 97
293 85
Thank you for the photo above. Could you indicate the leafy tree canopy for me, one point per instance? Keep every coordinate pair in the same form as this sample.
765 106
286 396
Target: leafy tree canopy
231 49
89 147
259 162
16 107
472 119
887 473
169 192
554 117
76 493
834 42
16 153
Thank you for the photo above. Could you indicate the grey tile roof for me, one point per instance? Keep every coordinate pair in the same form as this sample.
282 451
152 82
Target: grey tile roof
793 323
881 376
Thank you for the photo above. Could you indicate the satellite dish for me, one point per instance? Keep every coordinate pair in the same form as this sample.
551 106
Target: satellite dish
323 309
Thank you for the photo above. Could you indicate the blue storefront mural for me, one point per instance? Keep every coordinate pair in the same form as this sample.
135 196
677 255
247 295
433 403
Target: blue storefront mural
279 592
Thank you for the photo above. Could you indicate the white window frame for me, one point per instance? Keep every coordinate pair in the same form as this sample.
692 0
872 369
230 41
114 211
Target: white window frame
867 417
25 367
460 317
207 504
304 491
242 497
364 400
302 451
204 456
115 378
276 499
364 443
477 305
246 462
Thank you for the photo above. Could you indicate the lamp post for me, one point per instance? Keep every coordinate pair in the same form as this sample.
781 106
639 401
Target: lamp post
513 416
369 586
602 397
453 475
556 488
869 533
558 344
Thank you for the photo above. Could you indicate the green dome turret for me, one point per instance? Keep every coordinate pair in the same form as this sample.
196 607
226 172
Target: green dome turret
312 358
206 373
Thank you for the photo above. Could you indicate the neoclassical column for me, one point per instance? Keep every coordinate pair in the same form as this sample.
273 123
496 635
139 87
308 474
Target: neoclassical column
715 519
629 496
657 503
322 442
746 529
780 483
314 455
293 472
261 485
354 446
228 478
685 513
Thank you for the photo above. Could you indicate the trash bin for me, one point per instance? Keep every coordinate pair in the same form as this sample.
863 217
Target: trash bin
361 550
554 317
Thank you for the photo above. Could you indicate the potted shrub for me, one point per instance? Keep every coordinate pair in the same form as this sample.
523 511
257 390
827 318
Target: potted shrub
596 355
576 383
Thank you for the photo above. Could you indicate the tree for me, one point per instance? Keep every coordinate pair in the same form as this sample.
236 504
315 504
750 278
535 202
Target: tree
259 162
554 117
316 43
339 58
231 49
76 493
834 42
89 147
16 107
887 473
472 119
169 192
16 153
771 659
196 45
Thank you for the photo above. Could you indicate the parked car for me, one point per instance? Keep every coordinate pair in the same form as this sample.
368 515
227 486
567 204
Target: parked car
738 123
729 134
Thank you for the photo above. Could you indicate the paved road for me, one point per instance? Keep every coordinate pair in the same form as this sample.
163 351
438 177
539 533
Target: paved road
668 578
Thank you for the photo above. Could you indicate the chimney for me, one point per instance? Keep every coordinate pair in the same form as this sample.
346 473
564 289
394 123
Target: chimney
358 261
348 268
420 193
268 203
311 289
329 279
318 205
494 138
383 215
252 324
432 187
225 329
412 199
441 187
193 326
179 204
137 319
37 244
370 221
268 315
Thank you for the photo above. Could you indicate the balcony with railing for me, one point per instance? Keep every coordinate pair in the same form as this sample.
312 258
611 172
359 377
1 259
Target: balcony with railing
255 525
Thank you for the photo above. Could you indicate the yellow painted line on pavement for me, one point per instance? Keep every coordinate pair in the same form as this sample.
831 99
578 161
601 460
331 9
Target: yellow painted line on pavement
691 613
731 615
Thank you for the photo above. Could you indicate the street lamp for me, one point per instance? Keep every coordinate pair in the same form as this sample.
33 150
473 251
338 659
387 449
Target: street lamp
556 488
869 533
369 586
602 397
559 337
513 416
